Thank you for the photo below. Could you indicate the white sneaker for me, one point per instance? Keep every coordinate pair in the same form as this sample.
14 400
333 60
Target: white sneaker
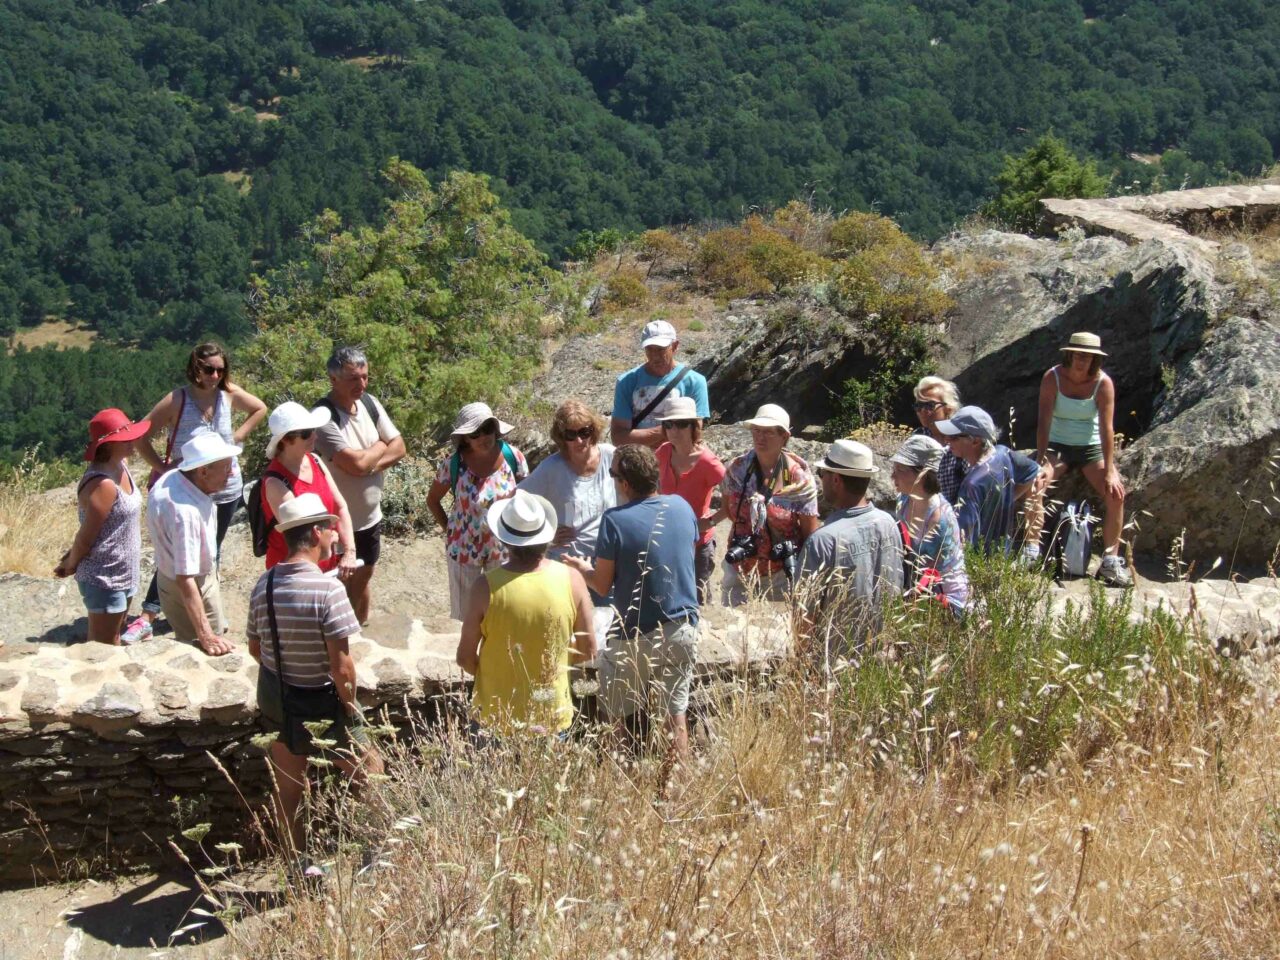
1114 572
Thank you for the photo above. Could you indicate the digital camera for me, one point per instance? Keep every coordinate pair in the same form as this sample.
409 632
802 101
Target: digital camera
740 547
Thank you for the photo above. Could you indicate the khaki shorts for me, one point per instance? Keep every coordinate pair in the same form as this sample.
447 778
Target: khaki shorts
171 603
463 578
660 662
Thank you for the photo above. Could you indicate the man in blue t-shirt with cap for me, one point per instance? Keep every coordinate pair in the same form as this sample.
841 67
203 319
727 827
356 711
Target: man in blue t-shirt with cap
640 392
986 504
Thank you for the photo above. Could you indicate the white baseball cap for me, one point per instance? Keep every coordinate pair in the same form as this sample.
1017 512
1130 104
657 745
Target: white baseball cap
658 333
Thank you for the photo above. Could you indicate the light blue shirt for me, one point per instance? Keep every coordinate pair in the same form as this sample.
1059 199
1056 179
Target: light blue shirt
636 388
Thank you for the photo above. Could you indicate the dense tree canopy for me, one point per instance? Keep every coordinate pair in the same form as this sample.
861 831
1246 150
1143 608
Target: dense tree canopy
154 155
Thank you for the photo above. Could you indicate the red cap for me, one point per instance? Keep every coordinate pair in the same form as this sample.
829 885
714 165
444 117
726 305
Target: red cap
112 426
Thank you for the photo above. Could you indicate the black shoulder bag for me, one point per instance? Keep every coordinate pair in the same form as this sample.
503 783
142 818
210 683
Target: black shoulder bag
662 395
300 705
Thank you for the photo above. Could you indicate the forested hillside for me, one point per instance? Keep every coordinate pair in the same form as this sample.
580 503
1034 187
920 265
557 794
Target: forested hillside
154 154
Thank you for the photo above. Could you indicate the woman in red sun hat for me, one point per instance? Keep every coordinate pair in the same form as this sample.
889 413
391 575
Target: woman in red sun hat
107 550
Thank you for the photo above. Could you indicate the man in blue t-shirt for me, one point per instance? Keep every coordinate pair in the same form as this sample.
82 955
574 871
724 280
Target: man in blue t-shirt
645 555
986 504
639 392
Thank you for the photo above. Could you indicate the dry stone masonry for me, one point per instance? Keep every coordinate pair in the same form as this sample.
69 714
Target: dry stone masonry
106 753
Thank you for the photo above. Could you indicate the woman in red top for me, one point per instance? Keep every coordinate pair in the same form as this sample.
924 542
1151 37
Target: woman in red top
687 467
293 429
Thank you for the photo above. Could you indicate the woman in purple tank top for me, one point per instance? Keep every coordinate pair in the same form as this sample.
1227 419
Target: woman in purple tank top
107 551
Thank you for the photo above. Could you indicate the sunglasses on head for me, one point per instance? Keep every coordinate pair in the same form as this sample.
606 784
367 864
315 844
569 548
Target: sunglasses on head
582 433
678 424
927 406
209 370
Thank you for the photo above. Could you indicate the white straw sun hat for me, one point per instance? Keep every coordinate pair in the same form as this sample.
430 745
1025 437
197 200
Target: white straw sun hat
524 520
289 417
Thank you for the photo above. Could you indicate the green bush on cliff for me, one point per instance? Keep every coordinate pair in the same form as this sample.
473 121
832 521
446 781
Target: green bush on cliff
447 297
884 272
1047 169
754 259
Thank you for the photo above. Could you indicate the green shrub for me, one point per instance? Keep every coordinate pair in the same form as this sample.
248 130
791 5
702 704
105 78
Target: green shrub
754 259
884 272
1047 169
663 250
625 289
448 299
1012 689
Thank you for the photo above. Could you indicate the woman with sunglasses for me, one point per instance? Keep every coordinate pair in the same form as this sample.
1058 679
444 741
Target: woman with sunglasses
294 470
575 479
482 470
687 467
205 404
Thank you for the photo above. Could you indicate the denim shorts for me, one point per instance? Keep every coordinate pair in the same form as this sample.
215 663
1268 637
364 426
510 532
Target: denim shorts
101 600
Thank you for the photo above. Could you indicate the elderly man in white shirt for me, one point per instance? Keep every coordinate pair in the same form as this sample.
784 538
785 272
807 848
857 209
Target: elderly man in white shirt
181 519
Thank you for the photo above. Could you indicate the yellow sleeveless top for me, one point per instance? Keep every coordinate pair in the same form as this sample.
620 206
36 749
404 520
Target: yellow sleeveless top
522 681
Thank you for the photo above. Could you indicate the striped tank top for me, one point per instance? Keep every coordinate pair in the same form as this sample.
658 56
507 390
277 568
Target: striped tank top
116 556
192 424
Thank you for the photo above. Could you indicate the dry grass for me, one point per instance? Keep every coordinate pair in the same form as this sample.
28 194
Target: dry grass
799 833
58 333
37 524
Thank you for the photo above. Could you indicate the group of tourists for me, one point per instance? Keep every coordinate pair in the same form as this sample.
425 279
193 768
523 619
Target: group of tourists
604 551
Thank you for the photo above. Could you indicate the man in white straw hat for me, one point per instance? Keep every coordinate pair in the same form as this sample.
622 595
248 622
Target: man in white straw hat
360 444
299 630
182 522
640 392
857 552
525 623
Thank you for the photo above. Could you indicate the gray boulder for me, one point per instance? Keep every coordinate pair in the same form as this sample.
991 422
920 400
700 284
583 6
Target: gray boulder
1208 464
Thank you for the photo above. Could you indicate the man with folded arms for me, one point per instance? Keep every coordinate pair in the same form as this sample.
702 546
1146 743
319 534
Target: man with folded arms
299 630
182 522
360 444
856 555
640 392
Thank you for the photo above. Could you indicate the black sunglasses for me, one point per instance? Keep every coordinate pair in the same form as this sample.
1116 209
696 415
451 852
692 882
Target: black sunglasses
211 371
678 424
927 406
300 434
484 431
582 433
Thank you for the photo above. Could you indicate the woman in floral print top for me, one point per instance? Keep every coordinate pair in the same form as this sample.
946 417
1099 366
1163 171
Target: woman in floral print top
483 469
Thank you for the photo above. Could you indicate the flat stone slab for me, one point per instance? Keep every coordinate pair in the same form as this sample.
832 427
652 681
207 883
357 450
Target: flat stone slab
1140 218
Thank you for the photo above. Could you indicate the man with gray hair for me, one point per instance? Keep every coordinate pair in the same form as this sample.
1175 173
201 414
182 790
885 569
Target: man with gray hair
360 443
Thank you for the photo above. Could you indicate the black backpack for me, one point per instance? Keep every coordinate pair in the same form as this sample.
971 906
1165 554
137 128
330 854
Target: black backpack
367 400
259 527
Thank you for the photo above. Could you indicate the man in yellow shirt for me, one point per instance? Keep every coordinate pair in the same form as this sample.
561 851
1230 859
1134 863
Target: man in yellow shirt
525 622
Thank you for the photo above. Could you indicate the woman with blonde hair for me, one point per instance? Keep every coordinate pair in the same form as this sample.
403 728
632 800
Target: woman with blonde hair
575 479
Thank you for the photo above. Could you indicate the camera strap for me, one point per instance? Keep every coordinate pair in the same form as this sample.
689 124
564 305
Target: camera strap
661 395
765 487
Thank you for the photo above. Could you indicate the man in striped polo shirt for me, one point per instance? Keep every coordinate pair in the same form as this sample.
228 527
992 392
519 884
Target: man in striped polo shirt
302 617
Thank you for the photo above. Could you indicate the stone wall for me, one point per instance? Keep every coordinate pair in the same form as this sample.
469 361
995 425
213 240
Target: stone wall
107 753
